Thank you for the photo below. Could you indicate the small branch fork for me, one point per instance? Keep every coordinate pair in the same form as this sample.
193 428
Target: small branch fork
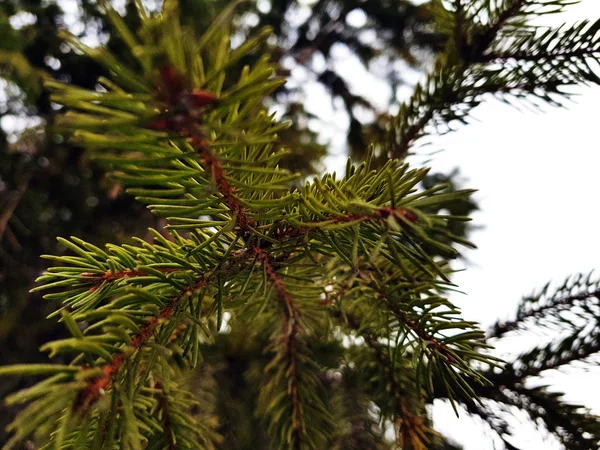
186 124
245 224
291 316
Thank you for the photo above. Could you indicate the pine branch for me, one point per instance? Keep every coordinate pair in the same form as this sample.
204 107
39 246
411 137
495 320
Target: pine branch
291 328
97 386
579 292
574 426
417 329
534 65
571 308
569 315
410 427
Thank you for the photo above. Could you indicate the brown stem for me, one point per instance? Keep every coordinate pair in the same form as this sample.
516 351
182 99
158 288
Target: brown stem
291 329
12 205
416 328
97 386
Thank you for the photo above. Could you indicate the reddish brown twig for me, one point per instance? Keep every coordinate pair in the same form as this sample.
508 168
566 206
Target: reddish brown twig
291 329
214 167
96 386
189 107
416 328
108 276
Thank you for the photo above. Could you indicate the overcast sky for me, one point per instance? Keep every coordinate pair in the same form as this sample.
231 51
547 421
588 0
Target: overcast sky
537 175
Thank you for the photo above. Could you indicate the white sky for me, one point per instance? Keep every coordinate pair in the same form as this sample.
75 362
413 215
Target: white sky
537 175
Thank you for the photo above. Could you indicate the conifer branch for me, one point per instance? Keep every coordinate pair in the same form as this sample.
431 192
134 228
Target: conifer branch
572 424
291 328
291 316
97 386
572 307
410 428
579 293
575 427
438 346
543 63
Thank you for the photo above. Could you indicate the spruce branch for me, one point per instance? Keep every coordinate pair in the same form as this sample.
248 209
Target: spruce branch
580 291
97 386
573 426
409 422
494 51
410 427
290 331
568 315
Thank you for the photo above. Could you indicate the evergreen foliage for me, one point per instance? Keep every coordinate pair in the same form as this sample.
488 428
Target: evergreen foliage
48 186
565 319
492 49
341 282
